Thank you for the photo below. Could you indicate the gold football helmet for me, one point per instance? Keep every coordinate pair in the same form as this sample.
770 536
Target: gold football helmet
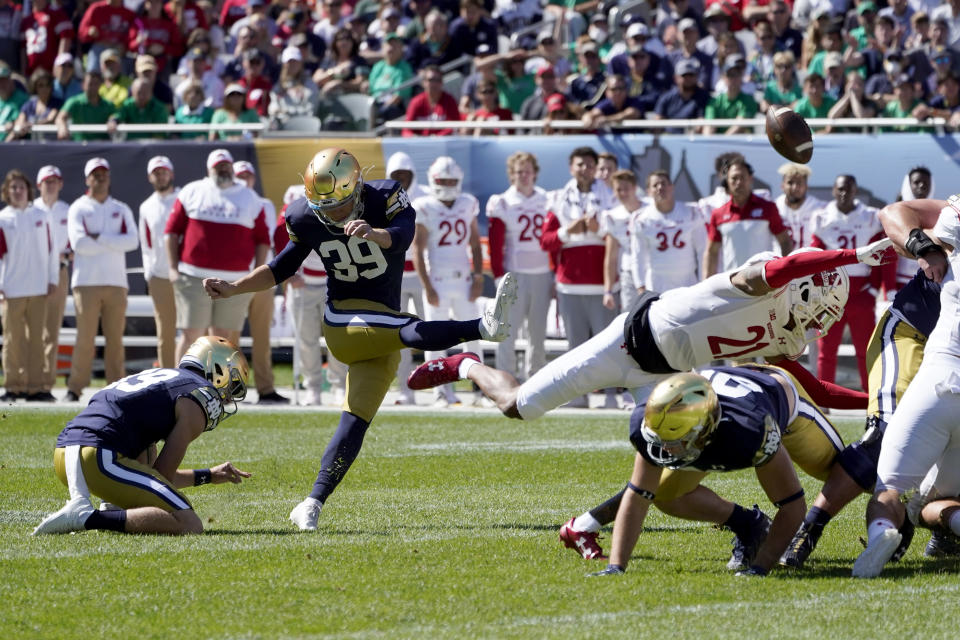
223 365
333 183
680 415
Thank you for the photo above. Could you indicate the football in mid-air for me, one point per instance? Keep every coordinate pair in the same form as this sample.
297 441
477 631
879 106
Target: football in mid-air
789 134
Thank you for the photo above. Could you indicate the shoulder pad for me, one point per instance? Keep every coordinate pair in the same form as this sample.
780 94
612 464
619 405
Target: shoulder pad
397 201
770 443
209 401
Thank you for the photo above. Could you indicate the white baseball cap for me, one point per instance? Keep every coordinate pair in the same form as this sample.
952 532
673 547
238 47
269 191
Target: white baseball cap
242 166
63 58
218 156
159 162
93 164
293 192
48 171
291 53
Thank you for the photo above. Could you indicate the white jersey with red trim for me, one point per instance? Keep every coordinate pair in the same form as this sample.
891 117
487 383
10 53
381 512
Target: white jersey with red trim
832 229
100 234
798 220
415 192
154 212
616 222
448 242
57 217
713 319
523 223
945 337
667 247
28 262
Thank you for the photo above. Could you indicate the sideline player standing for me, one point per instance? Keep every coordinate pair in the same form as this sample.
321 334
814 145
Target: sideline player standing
361 230
154 212
615 228
447 253
516 220
400 168
109 449
668 239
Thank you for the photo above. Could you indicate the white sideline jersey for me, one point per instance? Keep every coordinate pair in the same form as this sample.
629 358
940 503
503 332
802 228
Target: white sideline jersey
616 222
798 220
523 222
832 229
57 218
713 319
154 212
945 337
667 248
448 243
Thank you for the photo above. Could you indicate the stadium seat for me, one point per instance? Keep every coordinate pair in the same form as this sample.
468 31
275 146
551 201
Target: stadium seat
307 124
348 112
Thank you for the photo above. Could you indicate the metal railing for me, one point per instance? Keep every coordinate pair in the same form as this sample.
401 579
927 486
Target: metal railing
253 127
756 125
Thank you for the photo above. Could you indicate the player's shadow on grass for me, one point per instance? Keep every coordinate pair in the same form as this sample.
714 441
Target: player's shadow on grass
254 532
842 568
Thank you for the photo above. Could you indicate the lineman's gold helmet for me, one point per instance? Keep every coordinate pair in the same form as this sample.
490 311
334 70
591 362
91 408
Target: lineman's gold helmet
333 183
680 415
223 365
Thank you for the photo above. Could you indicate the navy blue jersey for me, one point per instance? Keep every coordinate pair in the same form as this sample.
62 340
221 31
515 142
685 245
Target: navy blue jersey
137 411
356 268
919 303
753 413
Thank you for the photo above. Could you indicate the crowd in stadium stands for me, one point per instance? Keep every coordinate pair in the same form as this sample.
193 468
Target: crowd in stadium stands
246 61
595 244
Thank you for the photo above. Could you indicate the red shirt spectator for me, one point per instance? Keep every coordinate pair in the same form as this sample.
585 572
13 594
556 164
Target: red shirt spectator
433 104
155 34
187 16
258 86
45 32
107 23
232 11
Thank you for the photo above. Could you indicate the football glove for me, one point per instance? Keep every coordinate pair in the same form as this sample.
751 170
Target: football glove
875 253
611 570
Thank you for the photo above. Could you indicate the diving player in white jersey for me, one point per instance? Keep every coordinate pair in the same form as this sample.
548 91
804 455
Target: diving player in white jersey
922 440
448 257
668 239
516 221
400 168
615 230
771 307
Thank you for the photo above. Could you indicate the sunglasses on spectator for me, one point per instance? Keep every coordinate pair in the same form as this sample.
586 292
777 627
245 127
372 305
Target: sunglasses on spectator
617 87
766 37
943 59
783 66
434 79
486 91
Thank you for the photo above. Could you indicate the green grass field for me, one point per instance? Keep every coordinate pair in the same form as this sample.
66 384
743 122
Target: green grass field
446 527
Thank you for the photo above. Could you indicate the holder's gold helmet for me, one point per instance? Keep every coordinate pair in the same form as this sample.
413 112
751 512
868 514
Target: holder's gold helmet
680 415
333 183
223 365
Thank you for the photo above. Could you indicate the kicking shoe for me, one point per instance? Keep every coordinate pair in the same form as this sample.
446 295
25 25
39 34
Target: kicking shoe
942 544
434 373
878 552
273 398
493 323
306 514
800 548
906 537
70 518
745 549
583 542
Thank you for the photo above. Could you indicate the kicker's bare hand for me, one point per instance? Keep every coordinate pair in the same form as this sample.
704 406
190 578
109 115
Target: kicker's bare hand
358 228
226 472
217 288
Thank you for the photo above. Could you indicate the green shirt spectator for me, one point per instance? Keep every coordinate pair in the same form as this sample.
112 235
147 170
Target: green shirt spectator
733 103
814 103
223 116
85 108
142 108
200 115
391 71
514 90
903 105
775 95
12 98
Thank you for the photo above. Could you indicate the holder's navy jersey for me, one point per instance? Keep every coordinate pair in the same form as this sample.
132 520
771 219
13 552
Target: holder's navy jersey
919 303
753 413
137 411
356 268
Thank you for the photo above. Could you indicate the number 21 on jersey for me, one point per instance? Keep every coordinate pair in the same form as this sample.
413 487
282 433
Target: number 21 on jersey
353 253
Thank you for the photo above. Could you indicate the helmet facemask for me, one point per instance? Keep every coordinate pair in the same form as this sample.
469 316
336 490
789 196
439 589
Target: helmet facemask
445 168
817 303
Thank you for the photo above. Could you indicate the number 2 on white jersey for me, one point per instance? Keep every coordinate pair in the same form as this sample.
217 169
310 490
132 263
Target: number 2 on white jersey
350 254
